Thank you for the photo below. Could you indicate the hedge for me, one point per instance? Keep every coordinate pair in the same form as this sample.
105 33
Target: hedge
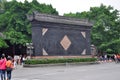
61 60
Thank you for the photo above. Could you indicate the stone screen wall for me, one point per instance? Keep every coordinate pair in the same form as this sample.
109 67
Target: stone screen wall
59 36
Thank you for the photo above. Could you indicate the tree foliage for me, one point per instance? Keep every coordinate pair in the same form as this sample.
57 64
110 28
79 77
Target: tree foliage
3 43
105 33
13 21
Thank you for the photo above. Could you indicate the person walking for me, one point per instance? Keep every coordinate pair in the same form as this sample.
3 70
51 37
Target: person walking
9 67
3 67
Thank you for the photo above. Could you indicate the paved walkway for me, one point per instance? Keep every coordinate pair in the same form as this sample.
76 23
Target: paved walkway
89 72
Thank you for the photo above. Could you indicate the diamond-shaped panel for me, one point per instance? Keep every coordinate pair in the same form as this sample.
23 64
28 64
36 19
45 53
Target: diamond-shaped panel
44 52
44 30
84 52
83 34
65 42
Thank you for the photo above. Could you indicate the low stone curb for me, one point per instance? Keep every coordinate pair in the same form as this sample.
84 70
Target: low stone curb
60 64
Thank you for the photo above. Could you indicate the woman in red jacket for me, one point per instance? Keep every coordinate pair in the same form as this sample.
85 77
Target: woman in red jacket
3 67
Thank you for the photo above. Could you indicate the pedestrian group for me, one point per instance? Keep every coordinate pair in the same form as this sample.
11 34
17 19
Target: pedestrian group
6 67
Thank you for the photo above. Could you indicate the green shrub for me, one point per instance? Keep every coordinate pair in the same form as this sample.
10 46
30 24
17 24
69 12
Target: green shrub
61 60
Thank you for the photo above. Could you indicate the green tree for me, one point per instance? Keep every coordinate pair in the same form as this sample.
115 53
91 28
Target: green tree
2 4
3 43
106 28
13 22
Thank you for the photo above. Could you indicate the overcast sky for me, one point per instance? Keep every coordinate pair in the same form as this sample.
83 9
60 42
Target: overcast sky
66 6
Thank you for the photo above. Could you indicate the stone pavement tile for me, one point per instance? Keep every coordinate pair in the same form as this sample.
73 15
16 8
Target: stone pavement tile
19 79
23 79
